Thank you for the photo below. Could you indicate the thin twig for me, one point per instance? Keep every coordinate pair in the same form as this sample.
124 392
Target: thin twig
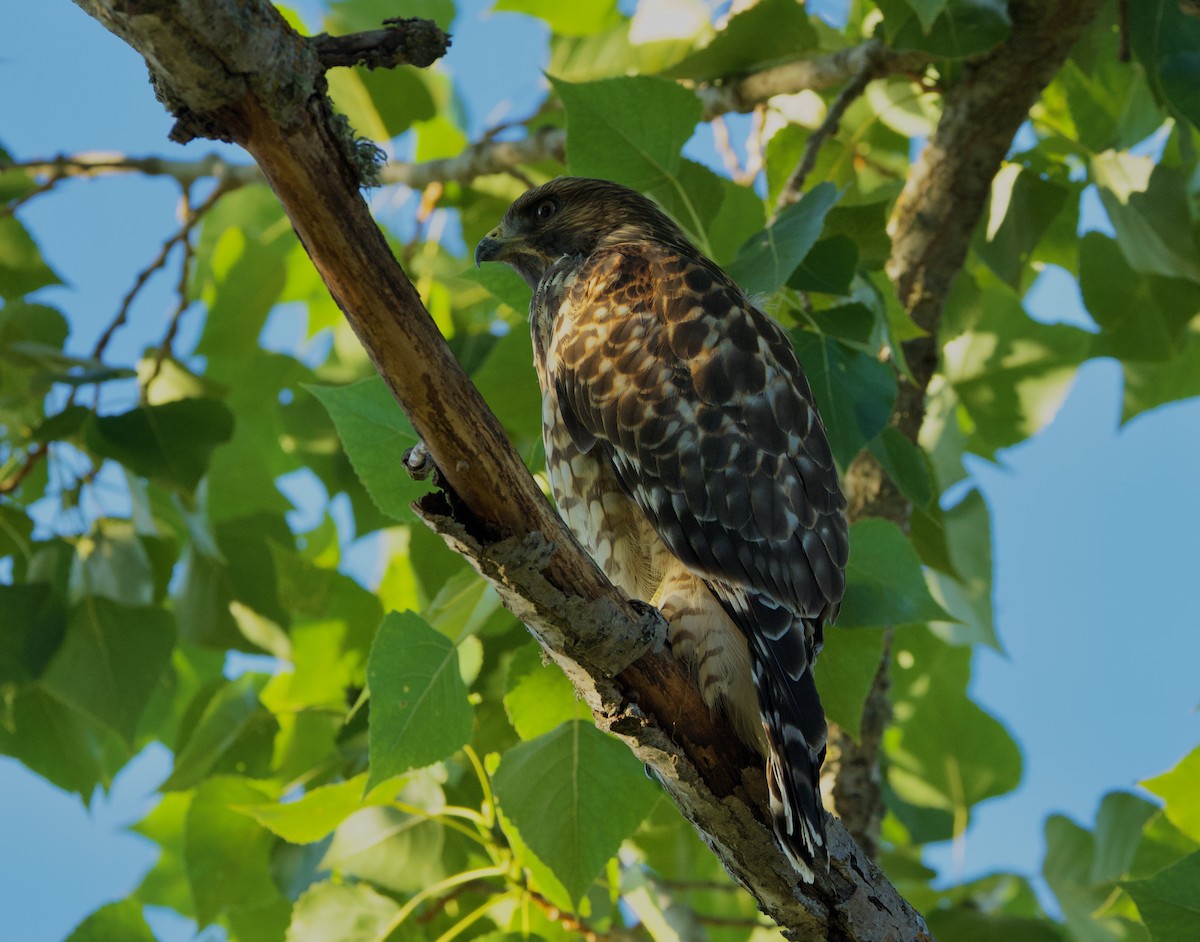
160 260
795 183
401 42
32 457
17 202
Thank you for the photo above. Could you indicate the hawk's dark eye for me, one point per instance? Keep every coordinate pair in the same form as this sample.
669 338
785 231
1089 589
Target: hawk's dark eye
545 209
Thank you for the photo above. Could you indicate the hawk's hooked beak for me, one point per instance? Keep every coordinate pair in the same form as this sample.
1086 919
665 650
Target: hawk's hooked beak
493 247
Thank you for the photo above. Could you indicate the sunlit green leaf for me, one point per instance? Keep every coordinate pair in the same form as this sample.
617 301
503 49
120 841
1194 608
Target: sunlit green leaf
767 32
317 813
341 912
393 849
1178 789
121 921
567 19
538 697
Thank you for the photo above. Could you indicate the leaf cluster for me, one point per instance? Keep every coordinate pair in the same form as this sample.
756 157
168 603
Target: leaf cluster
373 750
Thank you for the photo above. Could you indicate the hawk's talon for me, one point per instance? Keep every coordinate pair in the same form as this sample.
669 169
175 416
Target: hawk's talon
654 624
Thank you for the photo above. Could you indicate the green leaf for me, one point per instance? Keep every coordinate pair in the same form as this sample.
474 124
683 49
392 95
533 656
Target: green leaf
341 912
740 215
110 662
170 443
247 274
694 197
573 794
59 743
316 814
854 391
224 719
1162 844
828 267
509 384
630 130
419 708
1022 206
112 562
1150 385
967 594
1148 206
845 672
165 884
1165 39
121 921
906 465
1080 866
1010 372
967 923
1141 317
228 855
375 434
963 27
944 752
767 260
538 697
927 11
355 16
884 582
22 270
769 31
1170 901
32 625
394 850
1178 789
566 19
381 103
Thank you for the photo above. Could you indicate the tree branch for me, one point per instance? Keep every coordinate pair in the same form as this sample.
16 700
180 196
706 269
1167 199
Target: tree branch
233 70
400 42
547 143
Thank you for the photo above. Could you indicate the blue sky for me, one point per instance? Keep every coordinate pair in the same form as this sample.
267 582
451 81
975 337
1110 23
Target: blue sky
1094 526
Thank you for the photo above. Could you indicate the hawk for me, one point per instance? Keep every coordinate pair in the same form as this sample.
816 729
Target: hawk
686 454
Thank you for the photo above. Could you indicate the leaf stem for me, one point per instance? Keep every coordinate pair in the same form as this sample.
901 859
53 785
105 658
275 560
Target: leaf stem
410 907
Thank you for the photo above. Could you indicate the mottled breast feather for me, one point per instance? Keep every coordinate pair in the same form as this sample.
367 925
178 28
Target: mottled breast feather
661 376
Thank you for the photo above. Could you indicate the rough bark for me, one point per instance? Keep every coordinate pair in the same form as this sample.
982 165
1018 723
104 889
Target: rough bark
233 69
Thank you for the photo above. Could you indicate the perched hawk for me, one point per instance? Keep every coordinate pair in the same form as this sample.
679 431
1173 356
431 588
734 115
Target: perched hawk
686 454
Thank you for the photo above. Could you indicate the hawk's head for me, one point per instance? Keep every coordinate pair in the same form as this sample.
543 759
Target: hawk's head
573 216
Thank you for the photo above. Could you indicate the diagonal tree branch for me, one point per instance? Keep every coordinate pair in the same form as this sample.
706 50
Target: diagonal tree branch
491 510
232 69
